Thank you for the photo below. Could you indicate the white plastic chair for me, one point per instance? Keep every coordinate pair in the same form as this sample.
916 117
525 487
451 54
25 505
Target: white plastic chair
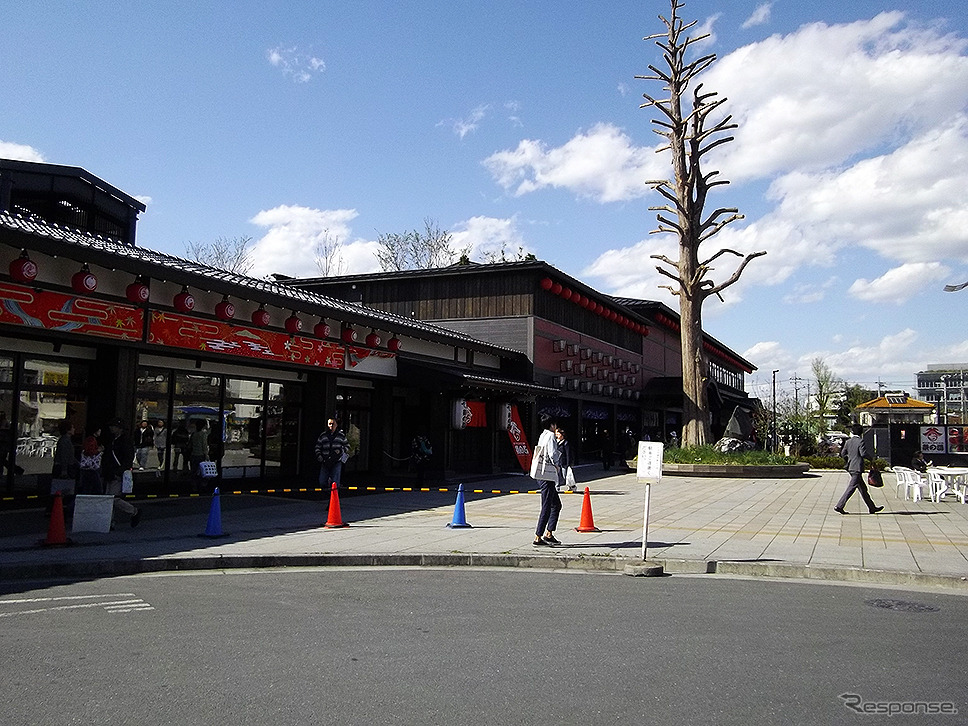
937 486
902 481
918 485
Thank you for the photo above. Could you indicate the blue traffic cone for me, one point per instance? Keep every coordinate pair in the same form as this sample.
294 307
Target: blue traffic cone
214 527
459 519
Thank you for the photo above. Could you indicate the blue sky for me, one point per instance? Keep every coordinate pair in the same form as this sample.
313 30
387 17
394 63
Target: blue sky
517 124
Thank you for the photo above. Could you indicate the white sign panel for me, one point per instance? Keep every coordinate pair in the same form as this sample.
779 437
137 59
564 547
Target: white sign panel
650 460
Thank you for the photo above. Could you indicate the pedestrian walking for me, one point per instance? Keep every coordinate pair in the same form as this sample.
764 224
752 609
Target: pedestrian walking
544 469
198 451
90 481
180 446
854 452
116 461
420 453
144 440
332 450
161 442
566 458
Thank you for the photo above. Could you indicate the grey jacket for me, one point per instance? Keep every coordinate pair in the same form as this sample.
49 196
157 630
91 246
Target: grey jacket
854 453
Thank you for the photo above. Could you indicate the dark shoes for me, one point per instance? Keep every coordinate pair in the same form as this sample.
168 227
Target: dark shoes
839 510
875 510
135 518
550 539
541 543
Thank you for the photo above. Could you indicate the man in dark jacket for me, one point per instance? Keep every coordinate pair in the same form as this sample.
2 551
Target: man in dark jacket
118 458
331 449
854 453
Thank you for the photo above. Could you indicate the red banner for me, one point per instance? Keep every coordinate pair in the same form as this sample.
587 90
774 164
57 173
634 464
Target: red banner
179 331
69 313
519 442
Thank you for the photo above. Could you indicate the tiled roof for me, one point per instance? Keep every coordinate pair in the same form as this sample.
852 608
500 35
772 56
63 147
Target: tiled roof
908 403
52 238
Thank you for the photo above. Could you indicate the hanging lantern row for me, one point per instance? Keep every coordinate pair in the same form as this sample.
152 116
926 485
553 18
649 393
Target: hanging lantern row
667 321
556 288
24 270
725 356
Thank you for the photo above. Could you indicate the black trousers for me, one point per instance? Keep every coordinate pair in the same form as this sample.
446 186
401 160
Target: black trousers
550 508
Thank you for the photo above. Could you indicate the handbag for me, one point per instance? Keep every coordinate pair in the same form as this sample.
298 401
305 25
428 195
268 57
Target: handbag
542 468
874 478
127 482
570 482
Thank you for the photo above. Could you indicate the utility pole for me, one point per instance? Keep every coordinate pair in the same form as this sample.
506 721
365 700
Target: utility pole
776 443
795 380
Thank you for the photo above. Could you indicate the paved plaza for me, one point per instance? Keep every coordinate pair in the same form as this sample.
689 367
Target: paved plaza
758 527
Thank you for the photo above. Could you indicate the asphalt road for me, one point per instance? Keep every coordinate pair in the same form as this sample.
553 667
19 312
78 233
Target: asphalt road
420 646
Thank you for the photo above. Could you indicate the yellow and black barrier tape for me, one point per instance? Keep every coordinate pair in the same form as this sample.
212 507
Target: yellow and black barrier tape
292 490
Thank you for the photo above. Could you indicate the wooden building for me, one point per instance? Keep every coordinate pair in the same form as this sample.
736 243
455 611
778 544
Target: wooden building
613 365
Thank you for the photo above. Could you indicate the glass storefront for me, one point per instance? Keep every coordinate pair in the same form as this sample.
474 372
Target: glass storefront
252 424
36 395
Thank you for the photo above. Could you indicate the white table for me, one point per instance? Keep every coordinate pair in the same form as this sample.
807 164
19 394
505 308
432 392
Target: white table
954 481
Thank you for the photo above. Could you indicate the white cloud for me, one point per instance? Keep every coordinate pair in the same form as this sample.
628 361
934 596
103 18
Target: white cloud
464 126
290 244
818 96
601 163
295 63
759 16
900 284
19 152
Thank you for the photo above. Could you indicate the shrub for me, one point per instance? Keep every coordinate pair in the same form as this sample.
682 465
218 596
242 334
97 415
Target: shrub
709 455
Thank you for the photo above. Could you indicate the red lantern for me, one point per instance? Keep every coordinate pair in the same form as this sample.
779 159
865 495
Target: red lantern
23 269
566 293
373 340
348 335
184 302
84 281
137 292
260 317
546 283
225 310
598 309
322 329
293 324
557 289
394 344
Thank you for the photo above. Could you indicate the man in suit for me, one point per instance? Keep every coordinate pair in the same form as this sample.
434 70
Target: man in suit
854 453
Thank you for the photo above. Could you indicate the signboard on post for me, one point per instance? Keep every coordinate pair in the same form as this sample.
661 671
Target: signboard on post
649 468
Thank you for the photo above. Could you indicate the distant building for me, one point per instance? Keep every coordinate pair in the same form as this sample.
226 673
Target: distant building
944 385
894 408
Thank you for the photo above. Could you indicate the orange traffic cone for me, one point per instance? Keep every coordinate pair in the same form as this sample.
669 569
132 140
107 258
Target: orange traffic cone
335 519
56 532
587 523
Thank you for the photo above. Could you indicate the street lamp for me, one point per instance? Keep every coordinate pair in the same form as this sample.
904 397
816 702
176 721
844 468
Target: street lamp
776 443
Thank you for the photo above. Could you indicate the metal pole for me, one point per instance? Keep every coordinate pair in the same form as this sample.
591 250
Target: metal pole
645 519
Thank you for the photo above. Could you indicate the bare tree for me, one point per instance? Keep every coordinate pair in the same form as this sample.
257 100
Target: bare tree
415 250
690 137
231 255
328 255
829 388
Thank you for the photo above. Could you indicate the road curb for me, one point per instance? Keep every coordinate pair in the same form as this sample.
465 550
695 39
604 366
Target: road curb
633 567
789 570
